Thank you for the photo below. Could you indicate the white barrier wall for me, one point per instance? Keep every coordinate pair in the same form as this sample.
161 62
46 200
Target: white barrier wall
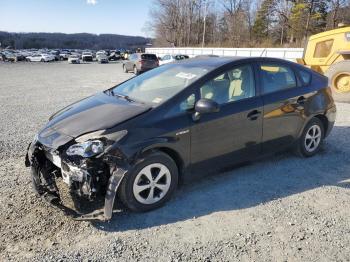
284 53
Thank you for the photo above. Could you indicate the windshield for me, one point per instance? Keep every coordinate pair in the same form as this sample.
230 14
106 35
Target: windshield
160 84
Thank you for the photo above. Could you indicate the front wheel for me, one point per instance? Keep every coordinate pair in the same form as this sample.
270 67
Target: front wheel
311 139
150 183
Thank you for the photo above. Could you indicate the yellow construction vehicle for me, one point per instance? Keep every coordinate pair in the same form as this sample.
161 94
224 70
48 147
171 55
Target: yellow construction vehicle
329 53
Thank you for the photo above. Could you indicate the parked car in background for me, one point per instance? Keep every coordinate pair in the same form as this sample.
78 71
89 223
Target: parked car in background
64 55
138 63
114 56
9 56
74 59
56 54
40 58
183 120
172 58
87 56
100 52
102 58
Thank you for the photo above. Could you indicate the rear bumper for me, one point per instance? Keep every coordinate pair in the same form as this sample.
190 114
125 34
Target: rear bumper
331 116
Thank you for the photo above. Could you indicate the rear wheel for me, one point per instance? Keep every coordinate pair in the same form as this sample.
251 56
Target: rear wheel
150 183
339 80
124 69
42 60
311 139
136 72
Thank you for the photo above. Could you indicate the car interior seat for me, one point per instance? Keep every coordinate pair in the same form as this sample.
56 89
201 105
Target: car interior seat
243 86
216 90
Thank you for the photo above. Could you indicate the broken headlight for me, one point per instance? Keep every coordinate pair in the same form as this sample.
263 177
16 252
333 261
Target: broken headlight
89 145
86 149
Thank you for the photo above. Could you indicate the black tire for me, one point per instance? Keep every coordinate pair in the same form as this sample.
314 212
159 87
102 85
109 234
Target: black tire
42 60
332 73
136 72
301 149
126 193
124 69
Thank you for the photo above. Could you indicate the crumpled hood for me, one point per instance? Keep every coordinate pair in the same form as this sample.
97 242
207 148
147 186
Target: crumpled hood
96 112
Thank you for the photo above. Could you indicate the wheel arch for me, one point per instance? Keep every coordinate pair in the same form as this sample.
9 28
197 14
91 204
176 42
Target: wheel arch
324 121
173 154
321 117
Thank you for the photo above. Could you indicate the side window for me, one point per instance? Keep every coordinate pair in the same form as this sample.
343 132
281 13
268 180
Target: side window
305 77
323 49
233 85
276 78
186 104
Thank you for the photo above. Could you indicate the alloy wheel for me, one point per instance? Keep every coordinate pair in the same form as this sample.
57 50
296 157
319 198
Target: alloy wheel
313 138
152 183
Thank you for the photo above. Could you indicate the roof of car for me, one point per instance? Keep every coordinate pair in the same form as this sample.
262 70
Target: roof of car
220 61
210 61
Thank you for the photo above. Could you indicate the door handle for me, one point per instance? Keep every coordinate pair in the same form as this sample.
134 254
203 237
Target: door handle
301 100
253 115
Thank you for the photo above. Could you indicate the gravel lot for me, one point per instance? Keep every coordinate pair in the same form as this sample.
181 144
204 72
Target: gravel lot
278 209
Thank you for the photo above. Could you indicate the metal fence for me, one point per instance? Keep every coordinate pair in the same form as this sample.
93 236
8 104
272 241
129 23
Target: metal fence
285 53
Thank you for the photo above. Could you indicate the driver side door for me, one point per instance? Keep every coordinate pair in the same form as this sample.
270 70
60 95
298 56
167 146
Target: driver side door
233 134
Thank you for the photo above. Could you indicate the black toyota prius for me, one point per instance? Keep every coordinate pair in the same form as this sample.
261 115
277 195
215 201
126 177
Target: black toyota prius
137 141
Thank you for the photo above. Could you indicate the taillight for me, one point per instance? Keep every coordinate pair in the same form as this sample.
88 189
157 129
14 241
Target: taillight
141 61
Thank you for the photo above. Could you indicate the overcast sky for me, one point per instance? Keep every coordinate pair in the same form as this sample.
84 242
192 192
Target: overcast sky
126 17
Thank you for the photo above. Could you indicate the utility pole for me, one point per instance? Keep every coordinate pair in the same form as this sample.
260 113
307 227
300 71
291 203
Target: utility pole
205 16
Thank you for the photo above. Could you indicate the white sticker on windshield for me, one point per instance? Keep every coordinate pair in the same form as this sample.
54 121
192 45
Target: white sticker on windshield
157 100
186 75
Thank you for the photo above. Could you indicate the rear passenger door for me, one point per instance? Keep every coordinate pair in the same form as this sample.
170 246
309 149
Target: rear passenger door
233 134
284 101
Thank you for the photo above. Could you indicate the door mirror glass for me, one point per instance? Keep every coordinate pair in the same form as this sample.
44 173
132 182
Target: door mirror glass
204 106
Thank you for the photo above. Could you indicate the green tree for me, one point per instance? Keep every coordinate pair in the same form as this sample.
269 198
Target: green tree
263 20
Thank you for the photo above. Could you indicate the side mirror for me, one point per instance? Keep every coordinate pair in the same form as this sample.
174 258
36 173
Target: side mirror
205 106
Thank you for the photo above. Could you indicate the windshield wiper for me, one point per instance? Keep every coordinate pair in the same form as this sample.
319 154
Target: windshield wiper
127 98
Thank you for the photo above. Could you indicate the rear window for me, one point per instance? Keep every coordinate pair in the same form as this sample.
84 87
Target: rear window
149 57
305 77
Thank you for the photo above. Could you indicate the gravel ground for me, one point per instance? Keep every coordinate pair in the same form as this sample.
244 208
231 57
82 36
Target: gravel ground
278 209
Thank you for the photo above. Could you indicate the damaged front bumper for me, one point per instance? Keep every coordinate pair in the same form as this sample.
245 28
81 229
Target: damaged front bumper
86 178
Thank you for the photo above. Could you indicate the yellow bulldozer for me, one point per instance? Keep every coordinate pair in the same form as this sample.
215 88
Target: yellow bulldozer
329 53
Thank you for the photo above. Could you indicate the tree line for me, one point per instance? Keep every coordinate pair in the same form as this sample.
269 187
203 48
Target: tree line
244 23
71 41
